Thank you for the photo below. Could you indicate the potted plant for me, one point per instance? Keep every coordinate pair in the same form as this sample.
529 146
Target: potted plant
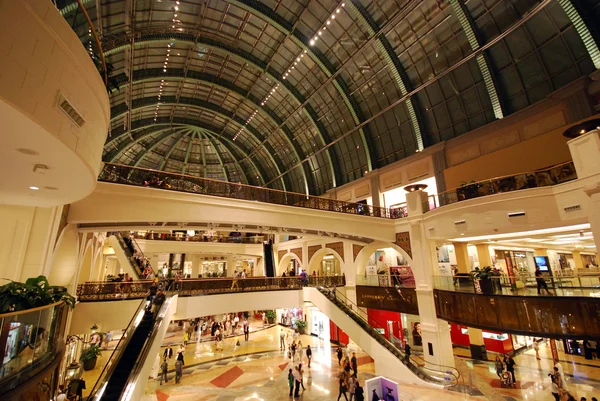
89 357
270 314
483 279
35 292
301 326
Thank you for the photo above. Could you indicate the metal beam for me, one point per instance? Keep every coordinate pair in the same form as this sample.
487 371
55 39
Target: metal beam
203 151
119 43
165 122
262 11
157 73
210 140
468 27
577 18
202 104
153 146
393 62
187 152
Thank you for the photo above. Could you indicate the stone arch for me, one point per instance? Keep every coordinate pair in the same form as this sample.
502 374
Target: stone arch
285 260
363 256
313 264
64 259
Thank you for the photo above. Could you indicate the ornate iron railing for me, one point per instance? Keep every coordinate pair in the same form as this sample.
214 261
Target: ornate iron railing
103 291
257 239
121 174
540 178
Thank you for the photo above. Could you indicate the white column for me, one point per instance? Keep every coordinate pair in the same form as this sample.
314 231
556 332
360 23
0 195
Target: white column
585 151
435 332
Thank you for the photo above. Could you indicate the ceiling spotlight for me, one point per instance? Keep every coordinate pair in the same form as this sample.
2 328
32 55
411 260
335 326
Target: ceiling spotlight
34 188
312 42
337 11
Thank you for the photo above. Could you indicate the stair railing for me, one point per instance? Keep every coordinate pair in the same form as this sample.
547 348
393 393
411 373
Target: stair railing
433 373
98 389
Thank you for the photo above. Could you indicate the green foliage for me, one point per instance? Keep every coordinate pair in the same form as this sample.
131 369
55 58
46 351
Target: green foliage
270 314
35 292
482 274
300 323
91 352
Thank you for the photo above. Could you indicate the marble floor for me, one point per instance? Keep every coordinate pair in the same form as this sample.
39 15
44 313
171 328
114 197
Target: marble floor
257 370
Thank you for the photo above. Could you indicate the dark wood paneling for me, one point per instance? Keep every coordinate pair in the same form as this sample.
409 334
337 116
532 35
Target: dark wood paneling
387 298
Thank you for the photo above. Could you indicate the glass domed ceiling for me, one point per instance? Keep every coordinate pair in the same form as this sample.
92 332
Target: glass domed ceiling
308 95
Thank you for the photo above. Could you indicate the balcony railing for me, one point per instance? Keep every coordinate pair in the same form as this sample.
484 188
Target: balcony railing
257 239
30 341
120 174
111 291
565 286
540 178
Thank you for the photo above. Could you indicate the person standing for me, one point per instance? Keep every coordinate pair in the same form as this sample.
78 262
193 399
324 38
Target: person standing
359 392
178 370
541 281
163 372
281 340
536 347
407 352
510 367
557 384
339 356
186 338
557 365
352 386
308 354
168 352
343 385
246 331
301 375
354 363
499 366
297 381
291 382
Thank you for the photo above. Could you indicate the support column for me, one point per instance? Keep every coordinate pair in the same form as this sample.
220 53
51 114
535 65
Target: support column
483 254
376 194
476 344
437 345
462 257
577 260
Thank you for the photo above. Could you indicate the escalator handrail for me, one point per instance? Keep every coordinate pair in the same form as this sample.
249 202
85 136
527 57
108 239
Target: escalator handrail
117 353
354 309
139 249
143 355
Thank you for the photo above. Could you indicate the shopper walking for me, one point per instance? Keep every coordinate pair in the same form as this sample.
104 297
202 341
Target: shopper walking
510 367
557 384
352 386
308 354
301 375
359 392
407 352
297 382
541 281
343 385
178 370
339 356
168 352
499 367
354 363
536 347
246 331
163 372
557 365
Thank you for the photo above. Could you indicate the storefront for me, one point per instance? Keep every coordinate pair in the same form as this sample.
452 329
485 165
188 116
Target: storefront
494 341
214 268
514 262
330 266
247 265
319 324
589 260
520 342
288 317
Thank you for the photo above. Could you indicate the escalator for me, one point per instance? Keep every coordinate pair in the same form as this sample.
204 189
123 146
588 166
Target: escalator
131 353
389 353
269 262
128 249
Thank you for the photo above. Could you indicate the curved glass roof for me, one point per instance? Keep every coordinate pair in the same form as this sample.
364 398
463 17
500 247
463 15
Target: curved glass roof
305 95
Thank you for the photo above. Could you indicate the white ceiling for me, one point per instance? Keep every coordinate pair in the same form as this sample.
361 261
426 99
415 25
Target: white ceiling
67 179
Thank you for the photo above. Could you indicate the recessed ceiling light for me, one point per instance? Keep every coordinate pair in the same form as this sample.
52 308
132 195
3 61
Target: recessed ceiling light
33 188
28 152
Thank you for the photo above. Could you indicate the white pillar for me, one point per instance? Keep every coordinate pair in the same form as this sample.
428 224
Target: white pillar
435 332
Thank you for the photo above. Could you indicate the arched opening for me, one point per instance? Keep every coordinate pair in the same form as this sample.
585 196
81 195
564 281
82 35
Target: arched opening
326 262
289 262
367 261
